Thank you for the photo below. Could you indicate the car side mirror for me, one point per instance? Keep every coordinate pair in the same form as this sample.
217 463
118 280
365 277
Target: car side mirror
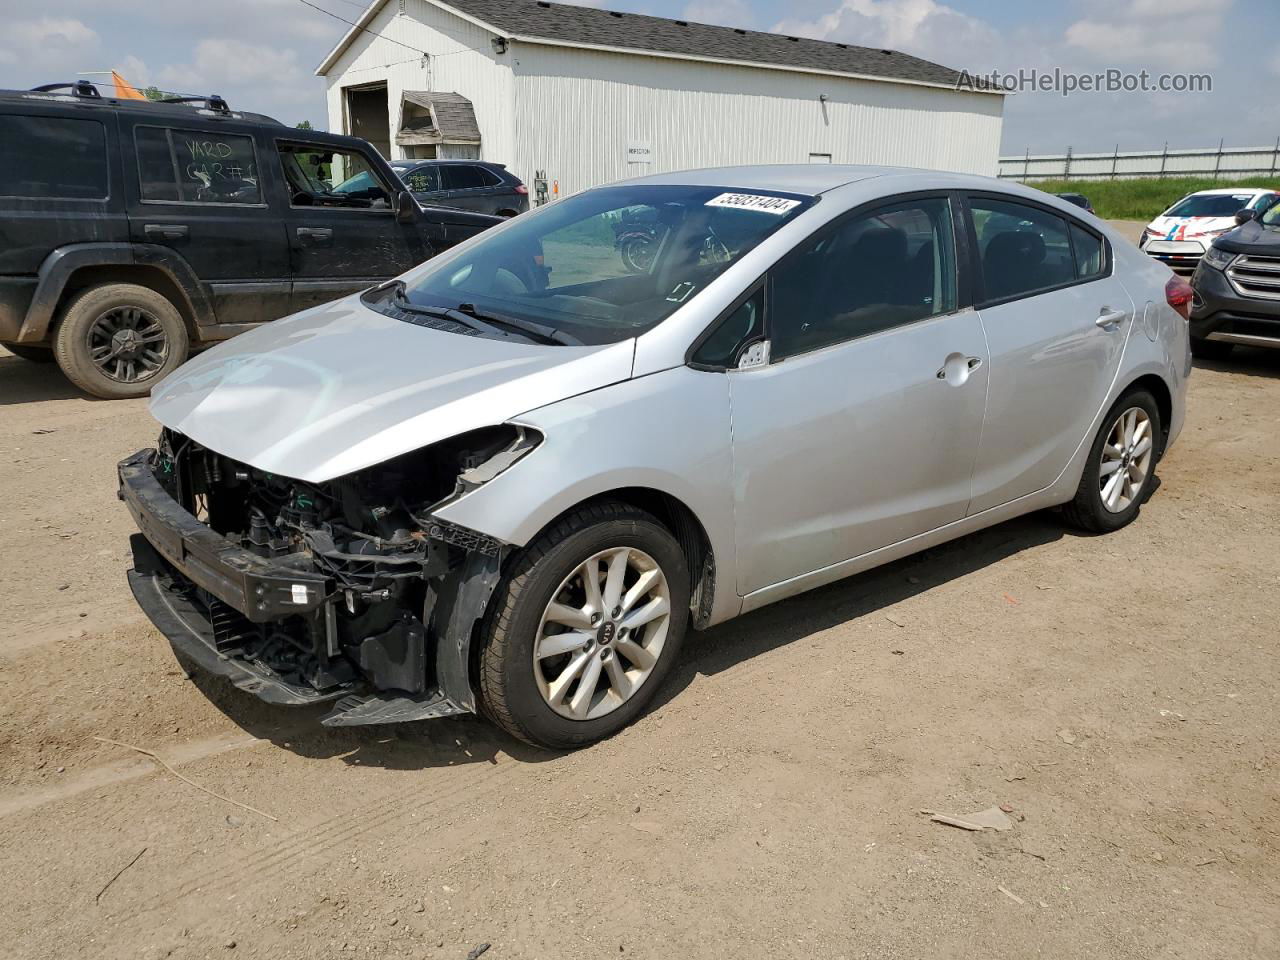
406 207
1244 215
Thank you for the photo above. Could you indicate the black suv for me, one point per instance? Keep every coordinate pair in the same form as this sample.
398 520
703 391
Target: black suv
1237 287
469 184
131 230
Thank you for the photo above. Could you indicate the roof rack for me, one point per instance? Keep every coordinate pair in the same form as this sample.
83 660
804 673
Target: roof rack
81 88
211 102
85 88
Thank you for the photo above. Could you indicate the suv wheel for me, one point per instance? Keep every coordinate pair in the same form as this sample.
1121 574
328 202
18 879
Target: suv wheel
1121 466
28 352
585 627
119 340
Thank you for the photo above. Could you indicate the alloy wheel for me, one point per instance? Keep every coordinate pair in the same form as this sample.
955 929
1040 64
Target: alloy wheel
602 633
128 344
1126 460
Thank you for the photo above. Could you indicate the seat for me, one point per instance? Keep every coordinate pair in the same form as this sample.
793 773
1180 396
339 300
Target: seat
1012 263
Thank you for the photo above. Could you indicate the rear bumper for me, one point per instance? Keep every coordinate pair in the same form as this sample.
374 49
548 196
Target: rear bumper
1219 313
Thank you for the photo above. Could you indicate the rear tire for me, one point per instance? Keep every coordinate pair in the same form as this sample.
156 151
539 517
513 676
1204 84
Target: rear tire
1211 349
1120 472
538 695
29 353
118 340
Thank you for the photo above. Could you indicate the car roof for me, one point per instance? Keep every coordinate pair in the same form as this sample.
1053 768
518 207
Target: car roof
813 179
188 111
1229 192
414 161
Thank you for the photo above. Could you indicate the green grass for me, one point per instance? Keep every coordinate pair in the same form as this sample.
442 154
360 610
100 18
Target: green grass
1141 199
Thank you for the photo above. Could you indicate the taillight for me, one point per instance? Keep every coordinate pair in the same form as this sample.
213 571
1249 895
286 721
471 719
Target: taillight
1179 295
521 188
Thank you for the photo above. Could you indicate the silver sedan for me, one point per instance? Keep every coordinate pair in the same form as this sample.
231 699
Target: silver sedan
513 479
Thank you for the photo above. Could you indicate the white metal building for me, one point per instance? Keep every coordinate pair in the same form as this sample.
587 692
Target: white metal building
591 96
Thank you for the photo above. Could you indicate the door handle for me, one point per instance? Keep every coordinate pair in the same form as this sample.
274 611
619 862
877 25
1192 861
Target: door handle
957 367
165 231
315 233
1110 318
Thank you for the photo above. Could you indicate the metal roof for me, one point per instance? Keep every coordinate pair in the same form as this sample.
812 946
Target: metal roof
569 25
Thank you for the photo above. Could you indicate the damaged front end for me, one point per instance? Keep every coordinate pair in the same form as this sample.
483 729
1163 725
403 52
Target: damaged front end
346 591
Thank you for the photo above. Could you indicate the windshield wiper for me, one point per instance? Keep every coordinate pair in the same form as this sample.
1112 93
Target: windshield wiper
402 302
538 331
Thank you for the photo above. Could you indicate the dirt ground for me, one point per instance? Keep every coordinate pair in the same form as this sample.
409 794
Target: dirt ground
1117 693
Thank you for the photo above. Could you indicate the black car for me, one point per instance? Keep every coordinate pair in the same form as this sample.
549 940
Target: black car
1079 199
1237 288
132 230
469 184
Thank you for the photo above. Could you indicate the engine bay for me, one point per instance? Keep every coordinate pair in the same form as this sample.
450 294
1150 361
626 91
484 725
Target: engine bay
403 589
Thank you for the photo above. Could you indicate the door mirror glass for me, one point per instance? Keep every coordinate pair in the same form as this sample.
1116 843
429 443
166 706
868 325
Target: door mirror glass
406 206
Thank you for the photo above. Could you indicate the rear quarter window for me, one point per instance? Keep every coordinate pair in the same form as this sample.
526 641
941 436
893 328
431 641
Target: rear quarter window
58 158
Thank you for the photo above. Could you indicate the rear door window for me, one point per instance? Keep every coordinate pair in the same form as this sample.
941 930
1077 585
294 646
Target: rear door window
461 176
1023 249
58 158
192 166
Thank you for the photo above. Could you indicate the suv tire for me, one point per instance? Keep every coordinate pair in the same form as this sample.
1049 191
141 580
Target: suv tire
518 687
144 331
30 353
1090 510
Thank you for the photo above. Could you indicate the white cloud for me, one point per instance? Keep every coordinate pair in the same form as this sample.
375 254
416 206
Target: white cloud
728 13
924 28
1179 34
55 42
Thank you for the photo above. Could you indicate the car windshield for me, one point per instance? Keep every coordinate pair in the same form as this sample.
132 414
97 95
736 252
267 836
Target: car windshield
1272 217
608 264
1210 205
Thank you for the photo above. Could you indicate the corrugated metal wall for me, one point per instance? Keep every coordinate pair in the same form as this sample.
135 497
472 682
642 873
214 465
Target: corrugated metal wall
574 112
577 111
462 62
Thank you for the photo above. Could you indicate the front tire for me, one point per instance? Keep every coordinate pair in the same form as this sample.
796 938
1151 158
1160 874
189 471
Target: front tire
118 340
585 627
1121 467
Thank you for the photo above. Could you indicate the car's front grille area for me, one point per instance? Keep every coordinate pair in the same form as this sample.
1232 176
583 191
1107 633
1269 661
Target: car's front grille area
1256 277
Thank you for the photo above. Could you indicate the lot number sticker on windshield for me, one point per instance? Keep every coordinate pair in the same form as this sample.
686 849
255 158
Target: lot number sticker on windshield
754 201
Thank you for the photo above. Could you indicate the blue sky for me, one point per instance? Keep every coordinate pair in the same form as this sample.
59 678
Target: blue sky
260 54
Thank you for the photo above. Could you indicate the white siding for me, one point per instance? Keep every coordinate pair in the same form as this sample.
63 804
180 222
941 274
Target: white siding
462 61
573 112
576 111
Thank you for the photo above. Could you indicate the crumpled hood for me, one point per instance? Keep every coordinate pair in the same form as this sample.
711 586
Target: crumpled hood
340 387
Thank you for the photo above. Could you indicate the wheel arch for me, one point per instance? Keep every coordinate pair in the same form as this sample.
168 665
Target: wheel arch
1159 390
71 269
683 524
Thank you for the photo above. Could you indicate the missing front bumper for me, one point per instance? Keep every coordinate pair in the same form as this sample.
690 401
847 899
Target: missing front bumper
217 603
